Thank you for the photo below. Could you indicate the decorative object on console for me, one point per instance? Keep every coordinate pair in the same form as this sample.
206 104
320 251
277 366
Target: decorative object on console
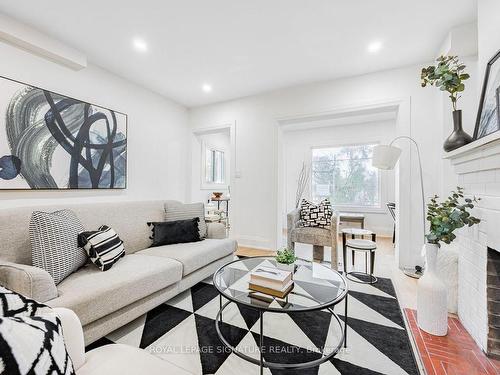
31 340
54 243
103 246
444 218
271 281
178 231
285 259
316 215
386 157
488 115
448 75
51 141
217 194
181 211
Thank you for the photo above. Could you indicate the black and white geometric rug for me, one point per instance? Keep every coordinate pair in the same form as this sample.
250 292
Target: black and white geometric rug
182 331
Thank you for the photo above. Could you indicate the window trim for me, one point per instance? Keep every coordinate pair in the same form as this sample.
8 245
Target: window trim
212 185
382 180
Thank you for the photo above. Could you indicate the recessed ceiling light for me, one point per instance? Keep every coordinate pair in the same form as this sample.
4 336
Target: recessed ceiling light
374 46
139 45
206 87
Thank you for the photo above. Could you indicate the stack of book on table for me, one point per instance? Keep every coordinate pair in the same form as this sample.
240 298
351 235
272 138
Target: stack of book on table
272 281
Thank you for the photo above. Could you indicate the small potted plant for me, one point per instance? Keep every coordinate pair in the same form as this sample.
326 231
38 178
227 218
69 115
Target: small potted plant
449 75
444 217
285 259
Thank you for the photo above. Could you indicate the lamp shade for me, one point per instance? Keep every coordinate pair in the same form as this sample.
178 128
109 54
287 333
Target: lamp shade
385 157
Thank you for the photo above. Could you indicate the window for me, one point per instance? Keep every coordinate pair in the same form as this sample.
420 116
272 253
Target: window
214 166
345 175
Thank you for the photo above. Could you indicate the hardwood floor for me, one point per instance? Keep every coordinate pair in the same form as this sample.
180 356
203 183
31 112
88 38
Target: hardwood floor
251 252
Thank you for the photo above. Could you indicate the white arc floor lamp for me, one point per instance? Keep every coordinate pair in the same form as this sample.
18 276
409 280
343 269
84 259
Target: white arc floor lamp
386 157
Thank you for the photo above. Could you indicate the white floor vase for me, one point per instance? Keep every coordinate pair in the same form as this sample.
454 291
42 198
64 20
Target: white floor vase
432 310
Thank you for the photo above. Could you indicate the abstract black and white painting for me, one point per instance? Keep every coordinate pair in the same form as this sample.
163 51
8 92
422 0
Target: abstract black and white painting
51 141
488 117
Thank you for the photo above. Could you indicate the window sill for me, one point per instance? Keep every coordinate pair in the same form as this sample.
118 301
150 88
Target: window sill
358 209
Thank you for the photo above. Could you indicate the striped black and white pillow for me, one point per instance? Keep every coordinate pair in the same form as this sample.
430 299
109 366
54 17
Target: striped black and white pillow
54 245
175 211
103 246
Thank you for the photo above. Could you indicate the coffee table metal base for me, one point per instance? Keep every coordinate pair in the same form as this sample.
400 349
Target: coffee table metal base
275 365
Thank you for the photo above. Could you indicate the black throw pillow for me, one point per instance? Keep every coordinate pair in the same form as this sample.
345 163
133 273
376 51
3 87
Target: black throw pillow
178 231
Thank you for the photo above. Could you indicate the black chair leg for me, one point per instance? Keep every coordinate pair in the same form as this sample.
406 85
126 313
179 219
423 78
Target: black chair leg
372 262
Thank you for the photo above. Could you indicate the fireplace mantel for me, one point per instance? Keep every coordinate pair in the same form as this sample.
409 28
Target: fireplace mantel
479 155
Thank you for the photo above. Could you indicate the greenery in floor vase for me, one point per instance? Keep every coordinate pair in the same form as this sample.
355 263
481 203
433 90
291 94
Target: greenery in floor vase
448 75
445 217
285 256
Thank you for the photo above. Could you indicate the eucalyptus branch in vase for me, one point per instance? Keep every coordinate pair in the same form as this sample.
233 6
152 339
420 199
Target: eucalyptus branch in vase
449 76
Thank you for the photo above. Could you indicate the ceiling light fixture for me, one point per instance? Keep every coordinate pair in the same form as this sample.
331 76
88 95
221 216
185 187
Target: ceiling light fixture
206 87
374 46
139 45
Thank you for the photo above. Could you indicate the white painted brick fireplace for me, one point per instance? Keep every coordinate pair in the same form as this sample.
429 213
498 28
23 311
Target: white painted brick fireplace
478 169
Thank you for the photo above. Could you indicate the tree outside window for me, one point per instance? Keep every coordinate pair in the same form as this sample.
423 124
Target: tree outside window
345 175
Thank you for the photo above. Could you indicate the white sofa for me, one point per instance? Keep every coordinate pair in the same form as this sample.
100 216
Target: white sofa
109 359
145 278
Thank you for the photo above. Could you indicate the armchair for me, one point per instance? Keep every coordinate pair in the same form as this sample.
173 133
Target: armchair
109 359
318 237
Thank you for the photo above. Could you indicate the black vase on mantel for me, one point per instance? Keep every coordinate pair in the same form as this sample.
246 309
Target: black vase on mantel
458 138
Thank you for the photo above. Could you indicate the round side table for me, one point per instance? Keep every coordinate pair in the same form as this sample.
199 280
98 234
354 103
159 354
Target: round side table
366 246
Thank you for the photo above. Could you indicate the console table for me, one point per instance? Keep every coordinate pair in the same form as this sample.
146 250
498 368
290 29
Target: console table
351 217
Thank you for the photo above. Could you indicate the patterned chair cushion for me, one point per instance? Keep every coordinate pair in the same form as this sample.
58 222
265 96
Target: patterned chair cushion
316 215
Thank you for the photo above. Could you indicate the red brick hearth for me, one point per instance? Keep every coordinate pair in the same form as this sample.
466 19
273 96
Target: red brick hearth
454 354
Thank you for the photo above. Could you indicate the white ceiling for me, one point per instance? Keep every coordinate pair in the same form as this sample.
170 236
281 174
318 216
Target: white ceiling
244 47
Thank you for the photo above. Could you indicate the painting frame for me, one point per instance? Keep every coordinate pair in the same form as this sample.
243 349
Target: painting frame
124 127
493 67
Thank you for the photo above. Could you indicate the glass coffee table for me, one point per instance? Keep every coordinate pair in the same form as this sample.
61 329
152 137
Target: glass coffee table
316 288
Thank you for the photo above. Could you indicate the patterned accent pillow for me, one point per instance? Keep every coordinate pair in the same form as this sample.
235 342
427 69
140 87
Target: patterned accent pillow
54 245
316 215
103 246
31 338
180 211
14 304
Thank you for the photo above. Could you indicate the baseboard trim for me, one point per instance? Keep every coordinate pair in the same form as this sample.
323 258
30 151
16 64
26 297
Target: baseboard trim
254 242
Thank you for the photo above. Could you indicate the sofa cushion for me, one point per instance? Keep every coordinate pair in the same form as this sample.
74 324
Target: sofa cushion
92 294
194 255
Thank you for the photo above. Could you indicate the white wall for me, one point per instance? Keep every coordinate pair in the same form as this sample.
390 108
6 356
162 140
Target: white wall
488 31
254 195
220 140
157 129
297 149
